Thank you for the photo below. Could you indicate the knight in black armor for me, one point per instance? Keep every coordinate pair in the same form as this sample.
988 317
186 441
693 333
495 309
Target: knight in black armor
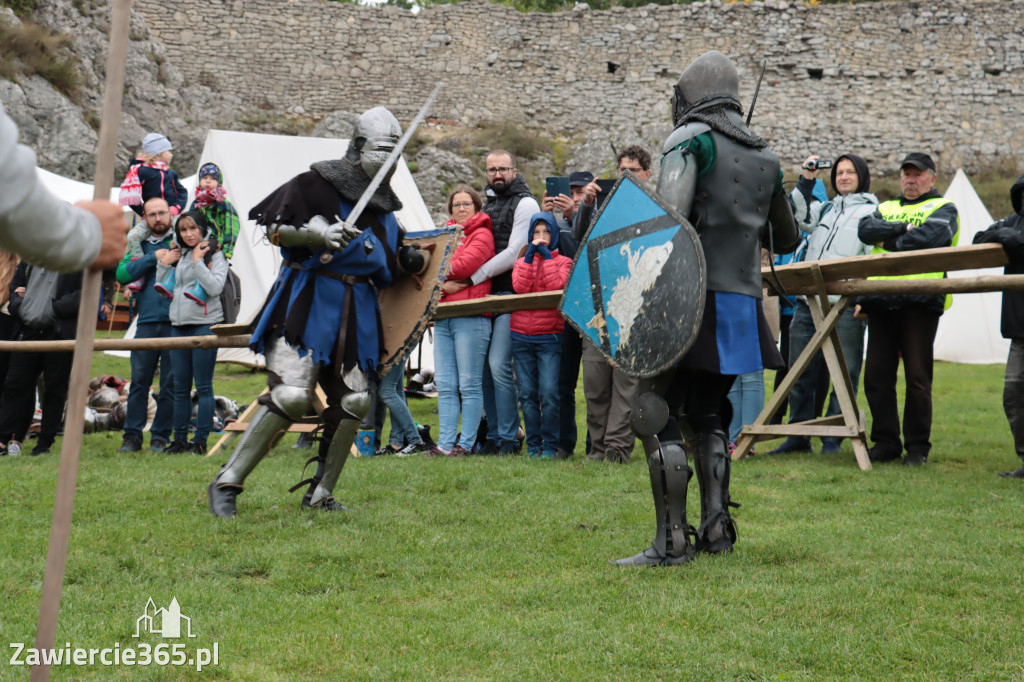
321 322
726 181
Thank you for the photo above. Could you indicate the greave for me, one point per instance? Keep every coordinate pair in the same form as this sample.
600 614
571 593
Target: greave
717 533
252 448
669 479
333 462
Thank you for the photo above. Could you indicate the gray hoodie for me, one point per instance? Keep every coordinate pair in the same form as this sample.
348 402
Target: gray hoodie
185 311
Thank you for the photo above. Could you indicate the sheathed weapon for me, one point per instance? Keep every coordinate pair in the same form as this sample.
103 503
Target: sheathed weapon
753 101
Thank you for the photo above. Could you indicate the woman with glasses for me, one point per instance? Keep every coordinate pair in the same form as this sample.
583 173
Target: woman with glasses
460 343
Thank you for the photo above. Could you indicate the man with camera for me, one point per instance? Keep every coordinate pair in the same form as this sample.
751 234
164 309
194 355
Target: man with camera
833 234
904 325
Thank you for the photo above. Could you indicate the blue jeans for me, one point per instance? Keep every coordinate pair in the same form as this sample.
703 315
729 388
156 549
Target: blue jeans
500 400
537 366
747 398
403 426
851 339
193 364
144 364
460 356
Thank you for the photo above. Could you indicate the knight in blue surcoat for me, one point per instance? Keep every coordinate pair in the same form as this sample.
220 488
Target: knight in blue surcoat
321 321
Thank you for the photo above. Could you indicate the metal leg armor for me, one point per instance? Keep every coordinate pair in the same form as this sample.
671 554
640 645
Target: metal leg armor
294 379
354 406
669 479
717 532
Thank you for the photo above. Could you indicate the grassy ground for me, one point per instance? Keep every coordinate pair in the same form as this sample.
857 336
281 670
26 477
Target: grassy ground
496 568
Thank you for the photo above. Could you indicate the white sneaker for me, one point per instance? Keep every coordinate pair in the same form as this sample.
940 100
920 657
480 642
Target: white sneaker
411 450
14 448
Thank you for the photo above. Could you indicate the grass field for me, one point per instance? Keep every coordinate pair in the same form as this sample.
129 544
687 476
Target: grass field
496 568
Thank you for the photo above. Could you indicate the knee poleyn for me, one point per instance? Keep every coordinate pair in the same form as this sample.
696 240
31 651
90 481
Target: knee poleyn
294 401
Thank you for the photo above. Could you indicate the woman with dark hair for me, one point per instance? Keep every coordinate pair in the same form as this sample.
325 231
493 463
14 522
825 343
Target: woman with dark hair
460 343
196 259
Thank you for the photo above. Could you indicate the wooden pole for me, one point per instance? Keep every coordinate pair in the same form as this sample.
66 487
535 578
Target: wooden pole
174 343
67 477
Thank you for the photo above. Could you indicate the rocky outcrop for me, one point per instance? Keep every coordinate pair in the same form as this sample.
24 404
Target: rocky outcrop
157 97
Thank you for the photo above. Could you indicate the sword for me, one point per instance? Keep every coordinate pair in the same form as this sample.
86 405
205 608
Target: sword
750 112
392 158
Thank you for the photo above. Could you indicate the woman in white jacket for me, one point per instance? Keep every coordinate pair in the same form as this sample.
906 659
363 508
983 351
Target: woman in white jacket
195 259
833 234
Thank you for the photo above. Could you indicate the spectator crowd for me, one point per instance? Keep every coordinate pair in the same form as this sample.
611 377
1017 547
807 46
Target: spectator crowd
492 367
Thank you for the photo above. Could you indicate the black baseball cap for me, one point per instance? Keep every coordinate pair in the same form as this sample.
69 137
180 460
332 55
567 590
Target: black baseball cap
918 160
580 178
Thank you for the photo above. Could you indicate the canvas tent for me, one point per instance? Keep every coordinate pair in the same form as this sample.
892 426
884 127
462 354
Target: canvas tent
969 330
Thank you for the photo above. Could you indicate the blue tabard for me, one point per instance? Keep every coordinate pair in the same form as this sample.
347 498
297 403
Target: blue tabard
324 321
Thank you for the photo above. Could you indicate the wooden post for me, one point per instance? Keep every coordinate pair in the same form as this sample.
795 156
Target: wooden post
67 477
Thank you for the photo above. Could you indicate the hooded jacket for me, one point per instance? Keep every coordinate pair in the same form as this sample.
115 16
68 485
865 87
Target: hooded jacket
833 225
187 273
540 268
475 249
1010 233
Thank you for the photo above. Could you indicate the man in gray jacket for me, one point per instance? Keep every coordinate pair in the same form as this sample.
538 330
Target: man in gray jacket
833 229
44 230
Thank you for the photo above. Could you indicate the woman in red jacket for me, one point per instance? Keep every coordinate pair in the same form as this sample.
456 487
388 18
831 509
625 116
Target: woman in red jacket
460 343
537 336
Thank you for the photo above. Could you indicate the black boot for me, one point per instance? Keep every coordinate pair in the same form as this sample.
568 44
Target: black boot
222 500
717 532
669 478
1019 473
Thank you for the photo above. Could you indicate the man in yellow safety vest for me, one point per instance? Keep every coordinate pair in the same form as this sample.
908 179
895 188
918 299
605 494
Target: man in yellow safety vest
905 324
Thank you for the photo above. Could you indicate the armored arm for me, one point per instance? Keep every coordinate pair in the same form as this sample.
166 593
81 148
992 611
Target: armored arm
784 233
315 234
677 183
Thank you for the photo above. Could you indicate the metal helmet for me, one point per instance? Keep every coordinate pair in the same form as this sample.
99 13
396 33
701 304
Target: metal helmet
118 415
376 133
104 397
710 80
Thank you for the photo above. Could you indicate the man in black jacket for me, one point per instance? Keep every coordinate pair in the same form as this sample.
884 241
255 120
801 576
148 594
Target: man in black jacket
44 305
1010 233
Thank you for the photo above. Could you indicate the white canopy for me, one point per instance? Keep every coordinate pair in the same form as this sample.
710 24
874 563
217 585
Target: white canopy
969 330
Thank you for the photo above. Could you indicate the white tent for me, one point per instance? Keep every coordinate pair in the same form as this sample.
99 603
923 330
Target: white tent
969 330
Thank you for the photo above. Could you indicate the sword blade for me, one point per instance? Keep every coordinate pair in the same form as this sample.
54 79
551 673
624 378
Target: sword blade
393 157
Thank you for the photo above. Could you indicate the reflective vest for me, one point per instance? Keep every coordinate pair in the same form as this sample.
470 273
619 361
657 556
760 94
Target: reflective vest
914 214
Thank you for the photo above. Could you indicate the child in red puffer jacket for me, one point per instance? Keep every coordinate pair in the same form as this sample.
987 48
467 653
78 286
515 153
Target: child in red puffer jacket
536 336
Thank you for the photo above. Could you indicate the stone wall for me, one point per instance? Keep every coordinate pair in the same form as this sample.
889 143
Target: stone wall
876 78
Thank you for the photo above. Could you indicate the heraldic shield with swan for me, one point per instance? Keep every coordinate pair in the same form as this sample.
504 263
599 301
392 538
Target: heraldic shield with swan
638 281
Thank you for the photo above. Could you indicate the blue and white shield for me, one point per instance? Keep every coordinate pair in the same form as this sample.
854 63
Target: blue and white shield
638 281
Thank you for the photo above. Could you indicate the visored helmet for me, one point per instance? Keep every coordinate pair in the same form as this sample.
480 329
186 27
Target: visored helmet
376 133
